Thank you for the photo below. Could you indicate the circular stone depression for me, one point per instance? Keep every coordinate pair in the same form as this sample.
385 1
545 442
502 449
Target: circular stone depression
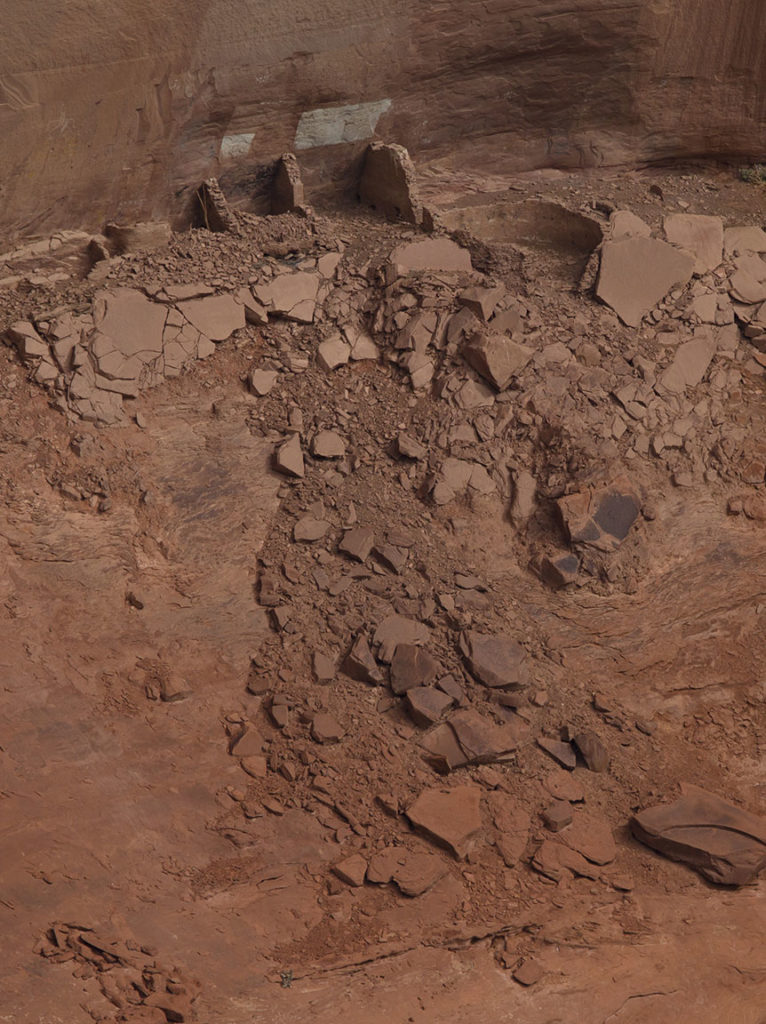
564 239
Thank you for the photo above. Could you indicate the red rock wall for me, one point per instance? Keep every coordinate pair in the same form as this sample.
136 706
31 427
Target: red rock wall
113 108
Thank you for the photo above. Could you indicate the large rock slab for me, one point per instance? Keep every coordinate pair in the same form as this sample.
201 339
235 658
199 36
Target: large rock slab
636 273
496 660
132 321
724 843
291 295
689 364
450 817
701 237
745 239
215 316
432 254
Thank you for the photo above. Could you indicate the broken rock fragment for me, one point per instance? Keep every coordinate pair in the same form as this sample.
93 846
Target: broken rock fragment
557 861
496 357
624 224
357 543
324 667
559 751
744 239
418 872
411 667
413 872
427 705
395 630
262 381
292 295
28 342
435 254
450 817
719 840
309 529
636 273
593 751
215 316
524 492
328 445
701 237
528 972
326 729
495 660
559 570
409 448
360 664
558 815
591 837
481 301
690 363
563 786
352 870
289 457
512 822
601 518
481 739
332 353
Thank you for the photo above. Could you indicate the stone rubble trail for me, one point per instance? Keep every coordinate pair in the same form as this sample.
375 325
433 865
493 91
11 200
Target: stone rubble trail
395 619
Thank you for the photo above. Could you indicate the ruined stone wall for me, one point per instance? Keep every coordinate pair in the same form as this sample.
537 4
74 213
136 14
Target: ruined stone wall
116 108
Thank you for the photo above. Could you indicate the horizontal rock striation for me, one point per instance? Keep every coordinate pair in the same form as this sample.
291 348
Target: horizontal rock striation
119 108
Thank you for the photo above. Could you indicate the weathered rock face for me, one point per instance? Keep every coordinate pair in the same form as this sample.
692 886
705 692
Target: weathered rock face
118 109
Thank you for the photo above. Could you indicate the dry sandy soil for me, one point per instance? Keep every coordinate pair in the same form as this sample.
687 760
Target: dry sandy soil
156 611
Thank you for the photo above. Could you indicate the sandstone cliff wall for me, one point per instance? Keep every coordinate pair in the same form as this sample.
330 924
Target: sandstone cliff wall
114 108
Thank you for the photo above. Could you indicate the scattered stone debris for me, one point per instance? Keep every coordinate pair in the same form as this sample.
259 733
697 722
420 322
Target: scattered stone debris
128 973
419 400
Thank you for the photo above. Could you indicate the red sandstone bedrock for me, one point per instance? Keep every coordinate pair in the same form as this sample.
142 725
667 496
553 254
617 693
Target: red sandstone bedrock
113 108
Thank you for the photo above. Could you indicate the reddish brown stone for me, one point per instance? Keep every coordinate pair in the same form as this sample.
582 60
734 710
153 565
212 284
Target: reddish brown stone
451 817
724 843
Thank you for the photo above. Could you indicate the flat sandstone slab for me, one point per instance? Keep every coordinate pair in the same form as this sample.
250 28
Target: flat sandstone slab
725 844
636 273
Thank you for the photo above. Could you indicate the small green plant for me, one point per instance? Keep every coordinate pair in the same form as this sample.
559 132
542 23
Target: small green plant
753 175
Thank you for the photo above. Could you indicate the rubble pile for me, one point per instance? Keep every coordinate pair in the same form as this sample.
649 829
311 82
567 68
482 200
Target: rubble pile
405 704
